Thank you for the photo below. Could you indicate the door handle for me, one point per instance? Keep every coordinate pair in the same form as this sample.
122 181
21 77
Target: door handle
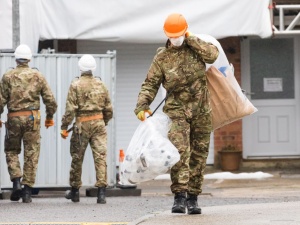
248 93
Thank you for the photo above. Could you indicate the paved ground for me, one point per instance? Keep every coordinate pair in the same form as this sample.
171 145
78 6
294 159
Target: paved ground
274 200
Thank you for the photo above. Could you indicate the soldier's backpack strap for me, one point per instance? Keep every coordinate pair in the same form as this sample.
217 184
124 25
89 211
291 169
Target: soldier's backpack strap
167 95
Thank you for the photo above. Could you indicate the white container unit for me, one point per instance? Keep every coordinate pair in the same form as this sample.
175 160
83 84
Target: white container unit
55 160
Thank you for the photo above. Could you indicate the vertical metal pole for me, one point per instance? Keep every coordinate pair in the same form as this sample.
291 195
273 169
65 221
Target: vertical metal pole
281 19
16 23
272 14
0 170
112 170
15 41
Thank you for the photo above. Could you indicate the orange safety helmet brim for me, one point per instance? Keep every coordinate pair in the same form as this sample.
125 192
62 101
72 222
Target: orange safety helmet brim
175 25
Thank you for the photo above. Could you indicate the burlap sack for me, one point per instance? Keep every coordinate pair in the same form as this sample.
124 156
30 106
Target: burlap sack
227 100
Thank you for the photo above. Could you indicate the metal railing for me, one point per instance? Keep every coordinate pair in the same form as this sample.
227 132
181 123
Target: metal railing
287 24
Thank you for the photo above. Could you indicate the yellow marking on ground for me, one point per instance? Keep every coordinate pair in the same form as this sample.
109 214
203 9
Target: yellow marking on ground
69 223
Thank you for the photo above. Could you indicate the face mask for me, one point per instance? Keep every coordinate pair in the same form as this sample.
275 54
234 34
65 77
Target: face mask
177 41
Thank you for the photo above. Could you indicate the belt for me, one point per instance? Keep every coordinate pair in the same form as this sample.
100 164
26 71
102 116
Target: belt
88 118
20 113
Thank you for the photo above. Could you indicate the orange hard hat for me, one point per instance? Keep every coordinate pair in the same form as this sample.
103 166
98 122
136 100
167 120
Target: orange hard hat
175 25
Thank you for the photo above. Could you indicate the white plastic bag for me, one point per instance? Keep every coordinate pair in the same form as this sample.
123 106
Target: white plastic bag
150 153
221 62
228 102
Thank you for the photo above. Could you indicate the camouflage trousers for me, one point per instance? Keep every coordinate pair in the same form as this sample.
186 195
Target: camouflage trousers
20 128
192 139
94 133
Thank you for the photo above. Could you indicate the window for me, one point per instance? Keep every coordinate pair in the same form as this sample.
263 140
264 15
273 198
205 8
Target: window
272 68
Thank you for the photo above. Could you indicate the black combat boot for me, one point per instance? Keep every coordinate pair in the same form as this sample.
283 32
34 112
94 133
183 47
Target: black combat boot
179 203
26 195
192 204
101 195
73 194
17 190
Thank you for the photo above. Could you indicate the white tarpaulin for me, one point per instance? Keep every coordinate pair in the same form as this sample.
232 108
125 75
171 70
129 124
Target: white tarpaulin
6 24
132 20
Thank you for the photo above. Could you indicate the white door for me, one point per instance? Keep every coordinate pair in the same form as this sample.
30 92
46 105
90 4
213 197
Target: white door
270 75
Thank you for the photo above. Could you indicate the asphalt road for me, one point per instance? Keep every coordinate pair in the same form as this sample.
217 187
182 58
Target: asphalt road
155 202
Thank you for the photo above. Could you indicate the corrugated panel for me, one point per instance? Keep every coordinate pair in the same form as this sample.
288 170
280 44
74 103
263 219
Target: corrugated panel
55 159
133 62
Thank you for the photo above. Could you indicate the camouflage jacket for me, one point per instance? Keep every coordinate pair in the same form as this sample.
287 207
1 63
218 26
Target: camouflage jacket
87 96
181 70
21 89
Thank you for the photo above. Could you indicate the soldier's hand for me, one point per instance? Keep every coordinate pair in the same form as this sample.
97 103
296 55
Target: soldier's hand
49 123
141 115
64 134
188 33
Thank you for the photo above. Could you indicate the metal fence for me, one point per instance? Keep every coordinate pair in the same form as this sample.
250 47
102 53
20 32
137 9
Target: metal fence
55 160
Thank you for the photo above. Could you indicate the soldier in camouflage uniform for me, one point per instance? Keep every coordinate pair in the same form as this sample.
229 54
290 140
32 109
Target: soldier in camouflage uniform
180 68
21 89
88 100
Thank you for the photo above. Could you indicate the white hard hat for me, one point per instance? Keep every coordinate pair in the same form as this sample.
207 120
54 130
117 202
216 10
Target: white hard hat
86 63
23 52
